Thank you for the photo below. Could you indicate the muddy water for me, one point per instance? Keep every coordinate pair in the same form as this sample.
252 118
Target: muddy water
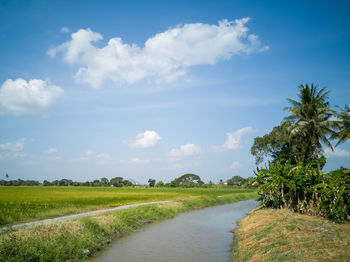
201 235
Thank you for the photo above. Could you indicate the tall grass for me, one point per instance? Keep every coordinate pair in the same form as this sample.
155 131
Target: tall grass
22 204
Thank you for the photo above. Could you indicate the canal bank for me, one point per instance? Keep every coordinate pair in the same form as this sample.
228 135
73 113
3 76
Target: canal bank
266 235
77 240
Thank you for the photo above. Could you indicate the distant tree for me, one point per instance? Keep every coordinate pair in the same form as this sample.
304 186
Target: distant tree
151 182
104 181
127 183
46 183
116 181
96 183
174 183
187 180
236 181
7 176
86 183
160 184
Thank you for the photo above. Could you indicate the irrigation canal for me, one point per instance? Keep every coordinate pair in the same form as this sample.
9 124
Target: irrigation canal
202 235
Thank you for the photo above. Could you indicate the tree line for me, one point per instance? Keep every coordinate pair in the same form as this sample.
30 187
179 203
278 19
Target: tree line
184 181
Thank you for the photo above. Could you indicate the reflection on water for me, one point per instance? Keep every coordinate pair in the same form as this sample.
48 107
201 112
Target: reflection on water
201 235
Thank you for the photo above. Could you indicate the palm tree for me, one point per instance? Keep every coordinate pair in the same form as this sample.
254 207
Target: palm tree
344 133
310 116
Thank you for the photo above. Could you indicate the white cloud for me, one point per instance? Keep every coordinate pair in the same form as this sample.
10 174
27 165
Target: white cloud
17 155
12 149
19 97
138 161
164 57
178 166
234 140
145 140
235 165
13 146
338 152
65 29
184 150
89 152
103 156
50 157
51 151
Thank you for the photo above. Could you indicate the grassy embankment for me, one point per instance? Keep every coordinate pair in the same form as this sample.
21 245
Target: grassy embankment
23 204
282 235
76 240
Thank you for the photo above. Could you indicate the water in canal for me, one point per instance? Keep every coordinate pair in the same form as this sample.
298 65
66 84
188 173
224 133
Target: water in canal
201 235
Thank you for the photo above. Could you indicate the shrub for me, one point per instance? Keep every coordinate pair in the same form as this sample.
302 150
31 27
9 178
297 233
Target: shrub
305 189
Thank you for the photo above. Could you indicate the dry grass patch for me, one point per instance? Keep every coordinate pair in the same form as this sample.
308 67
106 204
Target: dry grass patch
45 232
104 220
172 205
282 235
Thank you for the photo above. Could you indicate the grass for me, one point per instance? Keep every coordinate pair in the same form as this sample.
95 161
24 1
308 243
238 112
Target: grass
282 235
23 204
76 240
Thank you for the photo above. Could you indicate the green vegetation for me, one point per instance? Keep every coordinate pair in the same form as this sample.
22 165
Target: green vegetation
103 182
22 204
239 181
344 125
305 189
283 235
294 178
76 240
151 182
186 180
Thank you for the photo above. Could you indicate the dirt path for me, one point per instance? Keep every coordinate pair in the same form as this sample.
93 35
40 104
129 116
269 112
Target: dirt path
90 213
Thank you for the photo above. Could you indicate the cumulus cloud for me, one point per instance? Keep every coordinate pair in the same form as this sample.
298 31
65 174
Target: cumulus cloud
12 149
103 156
235 165
234 140
19 97
338 152
51 151
138 161
65 29
13 146
89 152
178 166
184 150
164 57
145 140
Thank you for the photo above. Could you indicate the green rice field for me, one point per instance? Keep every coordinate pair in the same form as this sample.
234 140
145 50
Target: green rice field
23 204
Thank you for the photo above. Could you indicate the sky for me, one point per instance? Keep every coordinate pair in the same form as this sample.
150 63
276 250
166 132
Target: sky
157 89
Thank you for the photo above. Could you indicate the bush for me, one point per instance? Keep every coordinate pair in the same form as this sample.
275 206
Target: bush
305 189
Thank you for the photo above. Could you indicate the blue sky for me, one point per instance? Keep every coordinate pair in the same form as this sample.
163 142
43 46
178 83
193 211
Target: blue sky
152 89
